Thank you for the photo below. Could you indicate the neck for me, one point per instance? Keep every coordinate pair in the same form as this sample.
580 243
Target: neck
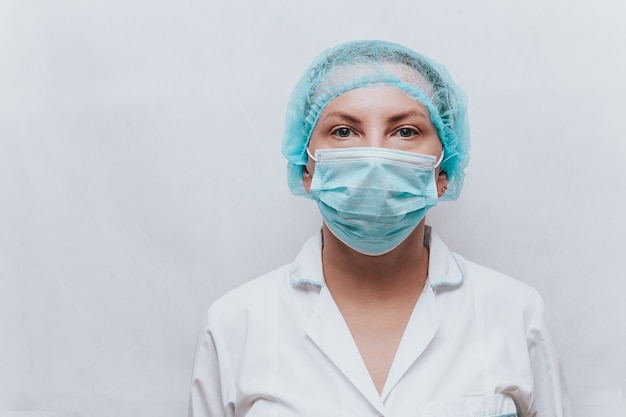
397 272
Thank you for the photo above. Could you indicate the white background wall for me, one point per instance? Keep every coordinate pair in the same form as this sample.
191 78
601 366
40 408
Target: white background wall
141 177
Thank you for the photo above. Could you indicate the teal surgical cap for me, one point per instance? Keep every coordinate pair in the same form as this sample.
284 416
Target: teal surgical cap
371 63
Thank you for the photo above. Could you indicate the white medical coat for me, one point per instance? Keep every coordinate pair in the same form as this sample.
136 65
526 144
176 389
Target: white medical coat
476 345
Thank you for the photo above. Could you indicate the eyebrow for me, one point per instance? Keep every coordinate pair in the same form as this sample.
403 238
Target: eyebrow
392 119
344 116
401 116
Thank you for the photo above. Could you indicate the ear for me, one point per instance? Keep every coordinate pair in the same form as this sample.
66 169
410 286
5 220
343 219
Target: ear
307 176
442 183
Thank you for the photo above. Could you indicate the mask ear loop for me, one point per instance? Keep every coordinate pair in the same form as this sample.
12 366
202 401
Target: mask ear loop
308 152
441 159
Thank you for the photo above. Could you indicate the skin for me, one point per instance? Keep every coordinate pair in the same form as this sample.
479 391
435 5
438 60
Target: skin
376 294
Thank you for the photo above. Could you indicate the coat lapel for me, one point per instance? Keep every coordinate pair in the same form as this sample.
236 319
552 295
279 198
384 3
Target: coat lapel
329 331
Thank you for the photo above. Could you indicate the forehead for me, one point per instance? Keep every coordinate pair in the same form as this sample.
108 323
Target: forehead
375 101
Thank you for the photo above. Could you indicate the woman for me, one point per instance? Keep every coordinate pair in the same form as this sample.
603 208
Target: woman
375 316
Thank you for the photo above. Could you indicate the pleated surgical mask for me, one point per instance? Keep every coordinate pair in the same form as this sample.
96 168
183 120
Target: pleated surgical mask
371 199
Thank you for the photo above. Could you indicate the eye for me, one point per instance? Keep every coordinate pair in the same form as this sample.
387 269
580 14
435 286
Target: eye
342 132
407 132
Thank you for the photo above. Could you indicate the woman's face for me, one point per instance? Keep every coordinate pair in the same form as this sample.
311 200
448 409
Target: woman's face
381 116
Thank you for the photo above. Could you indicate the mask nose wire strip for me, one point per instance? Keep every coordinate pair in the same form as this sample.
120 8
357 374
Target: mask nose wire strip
308 152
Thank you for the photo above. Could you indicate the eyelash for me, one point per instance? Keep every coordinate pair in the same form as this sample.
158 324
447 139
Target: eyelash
413 131
336 130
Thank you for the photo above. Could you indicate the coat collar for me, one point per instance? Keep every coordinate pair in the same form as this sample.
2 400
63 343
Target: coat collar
444 269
